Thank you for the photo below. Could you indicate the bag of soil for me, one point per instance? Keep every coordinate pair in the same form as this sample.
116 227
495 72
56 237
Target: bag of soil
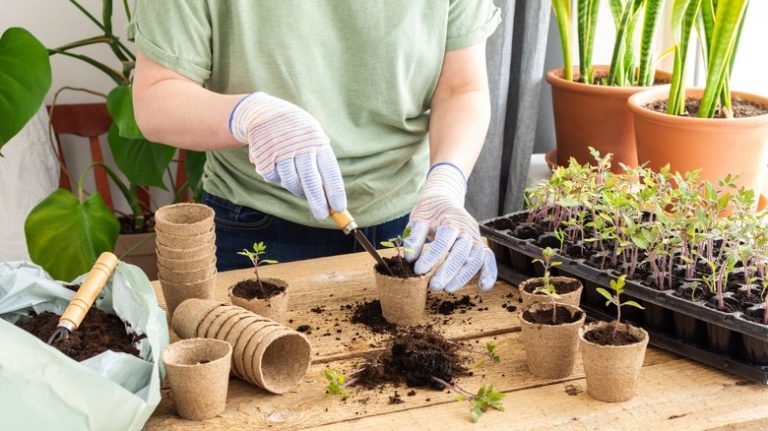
41 388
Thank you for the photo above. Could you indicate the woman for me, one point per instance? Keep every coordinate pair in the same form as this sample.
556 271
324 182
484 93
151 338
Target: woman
336 104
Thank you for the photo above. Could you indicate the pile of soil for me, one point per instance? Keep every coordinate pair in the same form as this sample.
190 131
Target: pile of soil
400 267
99 332
413 356
543 316
741 108
607 336
251 288
369 314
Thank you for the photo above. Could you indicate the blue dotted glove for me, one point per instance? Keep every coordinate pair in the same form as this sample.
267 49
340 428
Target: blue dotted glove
439 214
289 147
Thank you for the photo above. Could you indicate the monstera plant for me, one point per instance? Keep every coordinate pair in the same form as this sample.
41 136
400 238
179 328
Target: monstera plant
66 232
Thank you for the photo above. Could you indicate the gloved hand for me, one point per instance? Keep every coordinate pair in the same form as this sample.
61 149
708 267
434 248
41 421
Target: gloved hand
289 147
439 213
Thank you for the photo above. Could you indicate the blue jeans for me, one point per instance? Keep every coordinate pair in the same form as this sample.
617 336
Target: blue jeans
238 227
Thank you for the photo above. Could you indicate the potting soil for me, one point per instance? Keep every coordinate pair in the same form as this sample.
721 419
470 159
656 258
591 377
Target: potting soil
369 314
98 333
413 356
543 316
400 267
251 288
607 336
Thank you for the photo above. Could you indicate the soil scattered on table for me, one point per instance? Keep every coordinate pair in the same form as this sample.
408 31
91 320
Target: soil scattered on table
304 328
317 310
395 399
448 307
413 356
250 289
543 316
573 390
400 267
98 333
369 314
606 336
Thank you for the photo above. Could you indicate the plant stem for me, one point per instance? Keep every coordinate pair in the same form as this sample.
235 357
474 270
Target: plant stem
455 388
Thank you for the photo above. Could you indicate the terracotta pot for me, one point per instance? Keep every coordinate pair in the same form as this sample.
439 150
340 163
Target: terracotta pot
717 146
144 256
184 219
198 373
612 371
593 116
551 349
403 300
571 298
273 308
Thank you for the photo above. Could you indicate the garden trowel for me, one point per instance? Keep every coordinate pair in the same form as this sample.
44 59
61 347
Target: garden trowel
348 225
83 300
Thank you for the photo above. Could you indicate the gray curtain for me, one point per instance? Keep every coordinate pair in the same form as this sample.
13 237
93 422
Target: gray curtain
515 55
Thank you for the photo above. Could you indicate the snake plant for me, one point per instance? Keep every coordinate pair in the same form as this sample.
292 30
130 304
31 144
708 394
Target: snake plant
631 64
718 24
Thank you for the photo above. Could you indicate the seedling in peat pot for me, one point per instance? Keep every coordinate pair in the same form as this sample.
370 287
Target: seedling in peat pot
485 398
259 248
398 243
490 352
548 288
618 288
335 384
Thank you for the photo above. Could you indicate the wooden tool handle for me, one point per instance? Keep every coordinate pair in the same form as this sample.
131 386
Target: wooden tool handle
90 288
344 221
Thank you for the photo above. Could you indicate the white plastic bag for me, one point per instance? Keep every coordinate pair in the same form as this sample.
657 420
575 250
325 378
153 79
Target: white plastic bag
42 389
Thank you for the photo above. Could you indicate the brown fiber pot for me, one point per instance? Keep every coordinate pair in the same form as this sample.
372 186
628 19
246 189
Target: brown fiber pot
551 349
175 293
593 116
198 373
612 371
184 219
717 146
273 308
571 298
403 300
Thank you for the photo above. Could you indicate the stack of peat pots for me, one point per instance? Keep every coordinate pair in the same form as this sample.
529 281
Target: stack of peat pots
265 353
186 252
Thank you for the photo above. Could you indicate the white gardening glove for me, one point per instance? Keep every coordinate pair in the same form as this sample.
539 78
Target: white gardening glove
439 214
289 147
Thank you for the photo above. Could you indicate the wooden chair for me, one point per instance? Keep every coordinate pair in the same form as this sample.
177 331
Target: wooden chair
92 120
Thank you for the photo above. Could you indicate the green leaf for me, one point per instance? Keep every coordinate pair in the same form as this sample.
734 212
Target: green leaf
120 107
268 261
387 244
605 294
25 77
143 162
476 413
633 304
65 236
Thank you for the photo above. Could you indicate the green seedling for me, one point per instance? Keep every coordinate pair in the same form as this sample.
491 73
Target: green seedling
259 249
548 288
335 384
560 236
485 398
490 352
398 243
618 288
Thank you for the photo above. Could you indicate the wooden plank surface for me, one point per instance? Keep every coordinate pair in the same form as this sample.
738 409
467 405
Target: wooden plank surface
674 393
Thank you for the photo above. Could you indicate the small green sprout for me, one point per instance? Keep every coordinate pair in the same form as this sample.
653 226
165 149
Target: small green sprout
486 398
548 288
618 288
259 248
335 384
560 236
490 352
398 243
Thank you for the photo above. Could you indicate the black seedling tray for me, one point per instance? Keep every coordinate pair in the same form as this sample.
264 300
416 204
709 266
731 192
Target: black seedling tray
726 341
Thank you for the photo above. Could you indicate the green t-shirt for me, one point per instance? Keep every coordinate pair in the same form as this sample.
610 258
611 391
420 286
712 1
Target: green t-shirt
366 69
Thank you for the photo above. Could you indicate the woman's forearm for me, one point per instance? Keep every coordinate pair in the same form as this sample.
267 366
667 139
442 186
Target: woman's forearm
174 110
460 109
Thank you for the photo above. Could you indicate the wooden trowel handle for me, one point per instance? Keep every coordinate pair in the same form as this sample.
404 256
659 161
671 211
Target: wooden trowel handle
90 288
344 221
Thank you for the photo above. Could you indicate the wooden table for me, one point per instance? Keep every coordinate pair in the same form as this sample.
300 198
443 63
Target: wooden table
673 393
